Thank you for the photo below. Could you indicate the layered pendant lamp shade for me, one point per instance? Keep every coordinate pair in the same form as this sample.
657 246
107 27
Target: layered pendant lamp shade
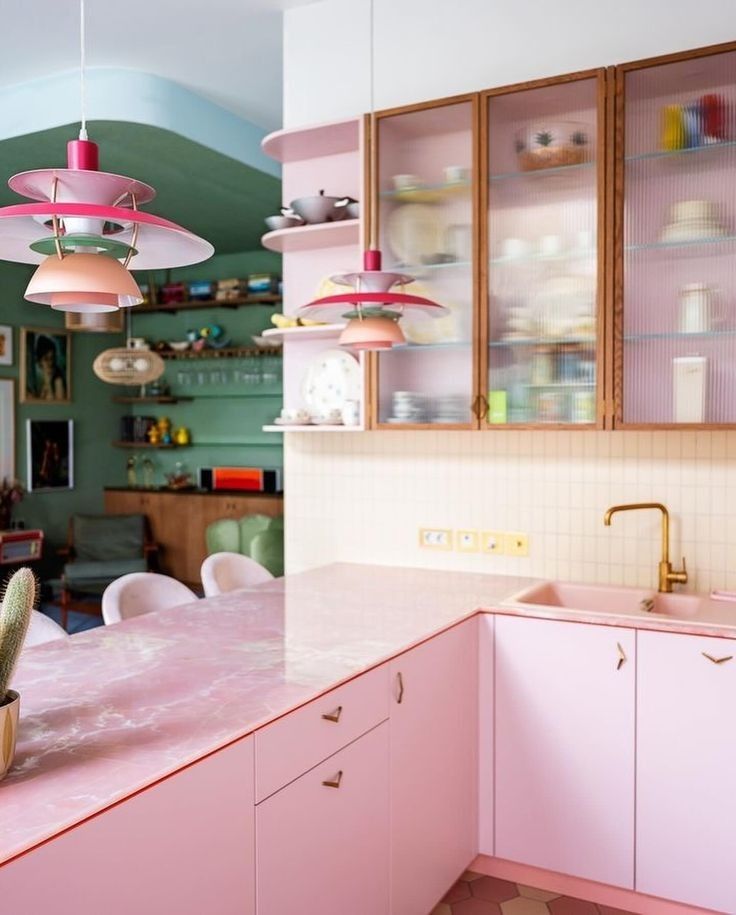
377 297
84 228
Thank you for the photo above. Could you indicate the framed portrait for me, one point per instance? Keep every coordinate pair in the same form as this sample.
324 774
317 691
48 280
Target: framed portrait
50 453
6 344
45 365
7 428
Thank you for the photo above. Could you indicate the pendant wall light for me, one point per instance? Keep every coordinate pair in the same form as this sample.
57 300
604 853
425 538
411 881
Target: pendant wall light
377 297
84 227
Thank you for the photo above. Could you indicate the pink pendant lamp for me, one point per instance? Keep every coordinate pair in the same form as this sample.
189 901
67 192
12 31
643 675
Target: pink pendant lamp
95 230
377 297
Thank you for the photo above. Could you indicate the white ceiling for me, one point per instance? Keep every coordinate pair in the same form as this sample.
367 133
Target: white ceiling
229 51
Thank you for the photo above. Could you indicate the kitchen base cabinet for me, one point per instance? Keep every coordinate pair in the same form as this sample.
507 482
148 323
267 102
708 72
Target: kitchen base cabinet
564 738
185 845
434 752
686 754
323 840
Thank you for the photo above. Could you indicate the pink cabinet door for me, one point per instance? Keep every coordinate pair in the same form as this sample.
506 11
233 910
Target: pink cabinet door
434 780
565 747
185 845
323 840
686 757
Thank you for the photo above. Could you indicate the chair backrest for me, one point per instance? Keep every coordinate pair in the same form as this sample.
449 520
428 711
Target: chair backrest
142 592
223 572
250 526
107 537
267 548
43 629
223 536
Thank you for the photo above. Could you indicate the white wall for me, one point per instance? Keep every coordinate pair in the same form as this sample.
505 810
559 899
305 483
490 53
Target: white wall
427 49
362 497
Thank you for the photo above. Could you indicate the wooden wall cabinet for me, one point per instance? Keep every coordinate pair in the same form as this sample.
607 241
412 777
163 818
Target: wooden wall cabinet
179 521
673 321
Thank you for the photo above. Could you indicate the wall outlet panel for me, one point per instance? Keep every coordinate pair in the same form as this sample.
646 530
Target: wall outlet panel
516 544
435 538
466 541
492 542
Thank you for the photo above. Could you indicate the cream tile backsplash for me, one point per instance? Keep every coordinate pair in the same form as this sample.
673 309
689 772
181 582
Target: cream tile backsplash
362 497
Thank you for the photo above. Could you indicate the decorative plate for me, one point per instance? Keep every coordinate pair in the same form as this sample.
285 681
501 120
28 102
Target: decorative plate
331 378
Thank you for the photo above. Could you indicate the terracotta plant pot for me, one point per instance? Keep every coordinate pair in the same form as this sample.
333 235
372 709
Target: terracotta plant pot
8 730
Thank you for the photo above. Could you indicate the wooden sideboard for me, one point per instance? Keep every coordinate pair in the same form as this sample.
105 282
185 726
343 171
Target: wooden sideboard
179 520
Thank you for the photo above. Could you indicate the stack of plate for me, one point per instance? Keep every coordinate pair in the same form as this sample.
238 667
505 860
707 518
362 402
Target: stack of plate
409 407
450 408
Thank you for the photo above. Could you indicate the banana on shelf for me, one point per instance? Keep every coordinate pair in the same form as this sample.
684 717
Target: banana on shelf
282 321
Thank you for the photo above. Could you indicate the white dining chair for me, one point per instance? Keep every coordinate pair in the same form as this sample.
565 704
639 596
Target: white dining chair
142 592
223 572
43 629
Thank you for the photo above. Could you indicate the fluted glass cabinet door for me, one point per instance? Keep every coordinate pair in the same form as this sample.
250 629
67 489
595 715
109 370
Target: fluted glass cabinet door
426 167
543 187
676 182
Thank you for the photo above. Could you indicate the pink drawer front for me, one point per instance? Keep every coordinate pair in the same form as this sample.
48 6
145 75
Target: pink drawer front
293 744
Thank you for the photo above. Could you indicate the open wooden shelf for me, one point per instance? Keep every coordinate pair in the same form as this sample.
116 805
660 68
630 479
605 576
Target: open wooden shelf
165 399
230 352
308 238
312 332
147 445
243 301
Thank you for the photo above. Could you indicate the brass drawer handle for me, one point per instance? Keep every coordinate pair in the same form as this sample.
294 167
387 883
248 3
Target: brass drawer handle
400 683
728 657
621 656
333 716
334 782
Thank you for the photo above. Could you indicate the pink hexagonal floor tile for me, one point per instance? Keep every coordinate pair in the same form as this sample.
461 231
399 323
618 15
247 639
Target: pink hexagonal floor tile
493 889
524 906
566 905
441 909
470 876
531 892
475 907
608 910
457 893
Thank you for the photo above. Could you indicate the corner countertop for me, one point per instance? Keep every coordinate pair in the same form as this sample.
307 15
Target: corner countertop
115 709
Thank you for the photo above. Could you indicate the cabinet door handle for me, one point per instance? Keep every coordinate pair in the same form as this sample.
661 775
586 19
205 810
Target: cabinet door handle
333 716
727 657
621 656
400 685
333 782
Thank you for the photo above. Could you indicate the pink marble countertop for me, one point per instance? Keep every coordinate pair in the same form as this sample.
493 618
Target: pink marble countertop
117 708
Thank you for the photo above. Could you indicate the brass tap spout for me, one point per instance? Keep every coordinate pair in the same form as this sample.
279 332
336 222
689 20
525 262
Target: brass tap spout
667 576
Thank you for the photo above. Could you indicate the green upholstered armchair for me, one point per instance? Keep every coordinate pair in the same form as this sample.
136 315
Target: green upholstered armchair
257 536
101 548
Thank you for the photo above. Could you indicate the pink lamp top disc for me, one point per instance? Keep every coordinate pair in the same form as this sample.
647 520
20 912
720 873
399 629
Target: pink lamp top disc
81 186
333 306
160 243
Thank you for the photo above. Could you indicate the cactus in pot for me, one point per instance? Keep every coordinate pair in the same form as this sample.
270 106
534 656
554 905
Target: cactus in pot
15 616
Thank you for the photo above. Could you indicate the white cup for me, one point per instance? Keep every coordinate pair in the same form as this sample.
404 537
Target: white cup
456 174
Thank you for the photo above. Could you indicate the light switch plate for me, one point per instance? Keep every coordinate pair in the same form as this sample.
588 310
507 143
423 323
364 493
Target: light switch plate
466 541
516 544
492 542
435 538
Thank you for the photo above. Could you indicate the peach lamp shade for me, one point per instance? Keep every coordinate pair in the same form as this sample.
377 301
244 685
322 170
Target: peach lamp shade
372 333
92 283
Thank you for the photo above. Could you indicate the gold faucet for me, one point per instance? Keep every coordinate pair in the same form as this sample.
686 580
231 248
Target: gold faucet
666 574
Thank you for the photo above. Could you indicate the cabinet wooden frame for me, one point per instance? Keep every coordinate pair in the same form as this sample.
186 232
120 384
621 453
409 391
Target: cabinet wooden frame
616 262
372 135
602 120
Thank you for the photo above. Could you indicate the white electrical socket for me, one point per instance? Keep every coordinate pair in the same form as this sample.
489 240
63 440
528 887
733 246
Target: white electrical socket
466 541
435 538
492 542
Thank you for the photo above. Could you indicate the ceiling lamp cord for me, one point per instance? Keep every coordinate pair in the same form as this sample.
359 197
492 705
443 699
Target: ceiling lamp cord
82 66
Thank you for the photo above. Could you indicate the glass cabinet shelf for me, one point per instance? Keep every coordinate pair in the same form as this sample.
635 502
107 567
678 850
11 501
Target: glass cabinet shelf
544 341
428 193
678 335
673 154
559 171
685 243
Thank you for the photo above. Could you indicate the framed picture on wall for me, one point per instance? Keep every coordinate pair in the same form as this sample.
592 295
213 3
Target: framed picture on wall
50 453
6 344
45 365
7 428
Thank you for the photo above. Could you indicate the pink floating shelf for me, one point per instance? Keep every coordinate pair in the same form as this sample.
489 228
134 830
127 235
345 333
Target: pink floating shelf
313 141
314 332
306 238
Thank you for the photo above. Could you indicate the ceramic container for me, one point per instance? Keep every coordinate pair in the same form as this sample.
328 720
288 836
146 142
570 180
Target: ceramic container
8 730
350 413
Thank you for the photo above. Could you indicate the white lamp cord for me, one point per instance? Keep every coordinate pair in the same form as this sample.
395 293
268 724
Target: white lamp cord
82 64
